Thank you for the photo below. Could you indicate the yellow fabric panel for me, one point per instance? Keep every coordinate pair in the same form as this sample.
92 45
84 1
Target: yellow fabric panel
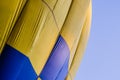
38 79
9 12
44 44
33 32
36 32
61 10
30 22
73 25
50 3
81 46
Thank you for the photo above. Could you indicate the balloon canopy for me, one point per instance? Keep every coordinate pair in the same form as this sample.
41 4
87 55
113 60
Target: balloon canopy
43 39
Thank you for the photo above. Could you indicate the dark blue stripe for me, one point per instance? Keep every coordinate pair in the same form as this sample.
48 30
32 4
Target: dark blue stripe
56 61
15 66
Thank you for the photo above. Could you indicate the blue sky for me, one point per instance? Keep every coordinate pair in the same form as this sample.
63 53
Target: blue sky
101 60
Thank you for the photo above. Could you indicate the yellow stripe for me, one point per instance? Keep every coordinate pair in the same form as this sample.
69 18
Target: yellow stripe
9 13
73 25
61 11
29 33
81 46
50 3
38 79
36 32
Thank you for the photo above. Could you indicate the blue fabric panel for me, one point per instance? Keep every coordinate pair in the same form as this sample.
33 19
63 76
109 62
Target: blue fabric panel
15 66
64 71
56 60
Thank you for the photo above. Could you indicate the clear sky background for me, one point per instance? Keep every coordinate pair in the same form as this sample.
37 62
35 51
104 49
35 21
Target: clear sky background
101 60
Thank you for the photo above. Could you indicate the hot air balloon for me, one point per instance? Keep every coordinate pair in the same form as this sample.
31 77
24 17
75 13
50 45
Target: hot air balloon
43 39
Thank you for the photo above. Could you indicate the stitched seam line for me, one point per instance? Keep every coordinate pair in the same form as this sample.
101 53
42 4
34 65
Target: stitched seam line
51 12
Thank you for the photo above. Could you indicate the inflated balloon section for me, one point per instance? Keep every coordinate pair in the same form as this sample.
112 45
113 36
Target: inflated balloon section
43 39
